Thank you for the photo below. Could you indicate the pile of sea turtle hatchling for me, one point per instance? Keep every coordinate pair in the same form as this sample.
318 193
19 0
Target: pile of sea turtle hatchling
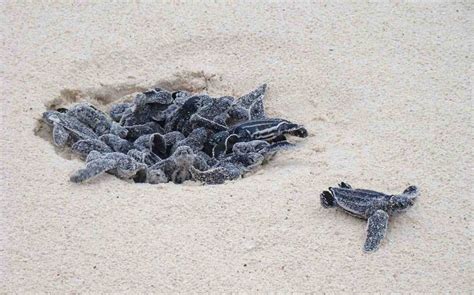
167 136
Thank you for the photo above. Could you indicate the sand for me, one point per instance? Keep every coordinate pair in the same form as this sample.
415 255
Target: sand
384 90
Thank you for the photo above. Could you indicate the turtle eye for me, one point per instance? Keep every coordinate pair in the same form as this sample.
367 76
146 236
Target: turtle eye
62 110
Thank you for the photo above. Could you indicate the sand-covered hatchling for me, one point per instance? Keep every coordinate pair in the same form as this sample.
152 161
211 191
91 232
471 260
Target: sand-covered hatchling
375 207
162 136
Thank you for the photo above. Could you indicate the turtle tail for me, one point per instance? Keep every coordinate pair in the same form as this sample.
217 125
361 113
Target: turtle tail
327 199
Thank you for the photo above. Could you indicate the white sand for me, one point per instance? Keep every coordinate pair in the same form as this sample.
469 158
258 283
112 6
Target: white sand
383 89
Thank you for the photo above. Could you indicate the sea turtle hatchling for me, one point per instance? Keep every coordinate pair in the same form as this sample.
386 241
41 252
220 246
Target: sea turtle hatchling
374 206
176 168
270 130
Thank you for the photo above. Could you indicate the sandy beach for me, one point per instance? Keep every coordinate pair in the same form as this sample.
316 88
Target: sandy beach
385 91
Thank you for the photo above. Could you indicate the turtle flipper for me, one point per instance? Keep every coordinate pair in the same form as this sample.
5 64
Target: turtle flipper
60 135
277 146
93 168
156 176
200 121
253 102
92 156
327 199
85 146
217 175
345 185
376 229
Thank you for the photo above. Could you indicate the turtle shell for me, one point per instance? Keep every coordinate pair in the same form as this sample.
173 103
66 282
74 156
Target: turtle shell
359 202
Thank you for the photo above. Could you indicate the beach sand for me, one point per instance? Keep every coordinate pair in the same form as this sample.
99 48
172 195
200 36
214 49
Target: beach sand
384 91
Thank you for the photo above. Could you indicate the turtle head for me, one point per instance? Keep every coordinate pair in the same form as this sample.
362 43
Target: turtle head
51 117
184 156
402 202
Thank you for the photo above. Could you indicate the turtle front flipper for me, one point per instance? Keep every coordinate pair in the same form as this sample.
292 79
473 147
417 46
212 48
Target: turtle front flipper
200 121
376 229
156 176
93 169
85 146
345 185
60 135
216 175
327 199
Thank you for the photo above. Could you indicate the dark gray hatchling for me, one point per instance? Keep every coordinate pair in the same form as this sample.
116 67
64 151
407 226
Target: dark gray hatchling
270 130
374 206
114 163
176 167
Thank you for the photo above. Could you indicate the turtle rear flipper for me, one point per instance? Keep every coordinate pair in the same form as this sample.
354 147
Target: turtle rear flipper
376 229
253 103
345 185
327 199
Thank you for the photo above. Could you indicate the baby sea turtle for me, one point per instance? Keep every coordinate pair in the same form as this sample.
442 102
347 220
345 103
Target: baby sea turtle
176 168
270 130
373 206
